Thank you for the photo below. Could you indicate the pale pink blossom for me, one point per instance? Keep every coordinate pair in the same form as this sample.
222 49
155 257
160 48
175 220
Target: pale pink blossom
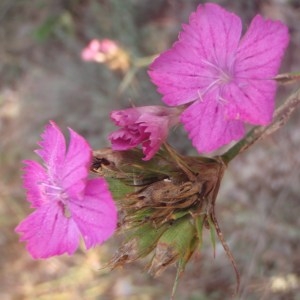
225 79
147 125
99 50
67 204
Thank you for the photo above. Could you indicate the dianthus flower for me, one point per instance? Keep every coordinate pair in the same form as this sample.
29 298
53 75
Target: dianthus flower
147 125
67 204
226 80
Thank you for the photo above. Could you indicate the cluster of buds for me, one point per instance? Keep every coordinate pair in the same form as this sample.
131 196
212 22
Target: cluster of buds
165 203
107 52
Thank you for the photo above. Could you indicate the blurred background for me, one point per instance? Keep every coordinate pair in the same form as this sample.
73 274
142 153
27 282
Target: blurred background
42 77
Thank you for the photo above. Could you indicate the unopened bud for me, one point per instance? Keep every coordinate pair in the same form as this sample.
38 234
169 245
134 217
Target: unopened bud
108 52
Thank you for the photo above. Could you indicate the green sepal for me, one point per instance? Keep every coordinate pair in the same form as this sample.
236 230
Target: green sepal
182 263
179 214
139 242
118 188
212 230
146 238
138 217
199 223
174 245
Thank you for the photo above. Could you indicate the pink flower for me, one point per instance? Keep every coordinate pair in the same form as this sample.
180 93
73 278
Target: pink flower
67 204
99 50
148 125
225 79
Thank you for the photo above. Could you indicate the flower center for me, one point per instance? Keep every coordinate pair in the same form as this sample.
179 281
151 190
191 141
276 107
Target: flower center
219 77
224 77
223 74
56 193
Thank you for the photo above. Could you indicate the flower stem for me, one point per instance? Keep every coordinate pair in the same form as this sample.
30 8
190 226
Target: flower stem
281 116
144 61
287 78
137 63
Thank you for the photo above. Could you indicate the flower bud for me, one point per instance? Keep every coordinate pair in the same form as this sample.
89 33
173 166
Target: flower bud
108 52
147 125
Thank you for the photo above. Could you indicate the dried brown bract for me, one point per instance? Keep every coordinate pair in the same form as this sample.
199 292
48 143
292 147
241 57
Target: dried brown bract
164 204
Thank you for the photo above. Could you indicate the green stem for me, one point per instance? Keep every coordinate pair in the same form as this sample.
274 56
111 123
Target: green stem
144 61
281 116
137 63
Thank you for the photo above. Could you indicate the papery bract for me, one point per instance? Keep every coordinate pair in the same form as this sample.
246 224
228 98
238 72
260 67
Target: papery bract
67 204
225 79
148 126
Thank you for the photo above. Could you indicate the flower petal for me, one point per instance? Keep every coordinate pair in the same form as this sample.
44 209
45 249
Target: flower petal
74 171
148 125
96 214
207 127
205 45
125 139
34 174
258 57
214 33
48 232
261 49
130 116
250 101
53 149
125 117
158 129
177 77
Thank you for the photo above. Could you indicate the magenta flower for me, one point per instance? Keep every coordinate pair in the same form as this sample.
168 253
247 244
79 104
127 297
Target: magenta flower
67 204
148 126
225 79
